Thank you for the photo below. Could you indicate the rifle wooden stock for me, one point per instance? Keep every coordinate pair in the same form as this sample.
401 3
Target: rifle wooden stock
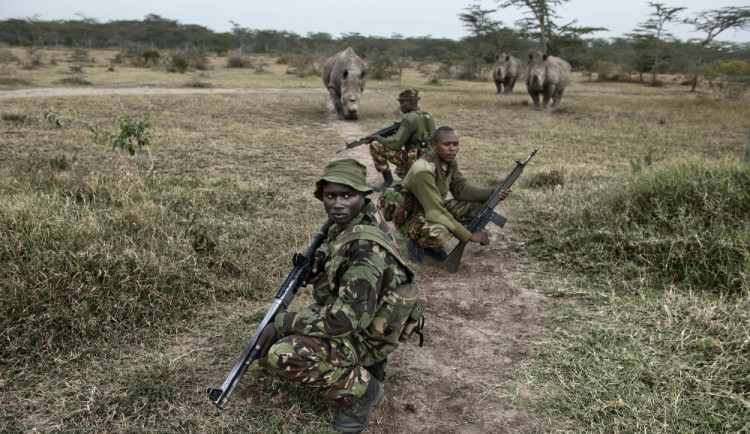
486 215
297 277
385 132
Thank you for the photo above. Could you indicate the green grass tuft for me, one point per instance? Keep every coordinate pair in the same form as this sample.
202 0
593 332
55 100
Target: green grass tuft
685 223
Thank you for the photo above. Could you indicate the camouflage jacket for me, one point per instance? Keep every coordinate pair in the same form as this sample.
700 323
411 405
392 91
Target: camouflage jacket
429 180
415 131
357 275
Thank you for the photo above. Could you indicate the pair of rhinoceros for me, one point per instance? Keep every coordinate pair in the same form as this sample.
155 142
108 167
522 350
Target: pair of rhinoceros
547 76
344 75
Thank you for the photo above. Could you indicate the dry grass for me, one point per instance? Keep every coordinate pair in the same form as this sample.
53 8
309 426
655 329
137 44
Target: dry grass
244 164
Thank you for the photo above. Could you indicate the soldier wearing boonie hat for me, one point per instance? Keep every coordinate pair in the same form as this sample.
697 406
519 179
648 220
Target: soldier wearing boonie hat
410 142
346 171
339 345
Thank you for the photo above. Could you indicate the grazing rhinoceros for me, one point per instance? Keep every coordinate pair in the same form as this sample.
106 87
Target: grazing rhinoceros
549 76
344 77
506 71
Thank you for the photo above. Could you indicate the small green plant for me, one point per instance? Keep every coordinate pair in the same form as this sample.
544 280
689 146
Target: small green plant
133 134
202 239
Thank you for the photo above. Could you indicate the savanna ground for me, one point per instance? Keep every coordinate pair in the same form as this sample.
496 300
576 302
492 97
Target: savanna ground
126 294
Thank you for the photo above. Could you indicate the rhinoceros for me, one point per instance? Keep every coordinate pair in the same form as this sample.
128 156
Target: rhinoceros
344 77
549 76
506 71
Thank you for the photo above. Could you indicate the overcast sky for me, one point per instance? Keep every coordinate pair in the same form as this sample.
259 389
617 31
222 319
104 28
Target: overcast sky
436 18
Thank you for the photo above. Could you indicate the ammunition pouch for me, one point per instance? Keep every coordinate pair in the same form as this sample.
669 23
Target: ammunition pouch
398 317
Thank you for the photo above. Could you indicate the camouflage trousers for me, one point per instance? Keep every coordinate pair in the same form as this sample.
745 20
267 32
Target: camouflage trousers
401 158
328 365
432 235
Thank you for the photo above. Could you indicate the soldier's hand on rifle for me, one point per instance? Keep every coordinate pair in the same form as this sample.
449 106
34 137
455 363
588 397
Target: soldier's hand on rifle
480 237
503 194
266 339
316 271
369 139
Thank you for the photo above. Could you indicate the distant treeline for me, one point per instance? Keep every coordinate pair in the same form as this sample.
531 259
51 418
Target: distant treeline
165 34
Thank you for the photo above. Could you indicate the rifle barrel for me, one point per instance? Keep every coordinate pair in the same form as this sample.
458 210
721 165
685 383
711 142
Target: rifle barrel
287 291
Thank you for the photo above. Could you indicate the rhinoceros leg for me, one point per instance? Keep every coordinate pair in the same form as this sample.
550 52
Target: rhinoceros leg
557 98
549 91
336 100
509 85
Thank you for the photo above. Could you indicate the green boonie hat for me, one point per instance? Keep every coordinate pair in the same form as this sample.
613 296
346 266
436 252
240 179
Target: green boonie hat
347 171
409 95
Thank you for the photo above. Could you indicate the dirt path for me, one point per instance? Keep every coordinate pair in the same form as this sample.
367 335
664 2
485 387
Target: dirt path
83 91
481 321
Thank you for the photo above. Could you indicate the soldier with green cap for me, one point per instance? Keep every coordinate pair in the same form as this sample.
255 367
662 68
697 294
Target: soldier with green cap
411 141
363 302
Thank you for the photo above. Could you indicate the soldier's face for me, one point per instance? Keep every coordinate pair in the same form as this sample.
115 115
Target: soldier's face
446 146
342 203
406 105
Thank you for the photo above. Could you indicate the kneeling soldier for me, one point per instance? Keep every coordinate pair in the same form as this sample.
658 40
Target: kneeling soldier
364 304
411 141
434 220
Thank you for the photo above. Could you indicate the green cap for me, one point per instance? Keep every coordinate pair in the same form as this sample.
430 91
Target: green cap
409 95
347 171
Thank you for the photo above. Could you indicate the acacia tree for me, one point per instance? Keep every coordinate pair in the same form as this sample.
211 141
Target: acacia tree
542 11
653 30
713 22
479 23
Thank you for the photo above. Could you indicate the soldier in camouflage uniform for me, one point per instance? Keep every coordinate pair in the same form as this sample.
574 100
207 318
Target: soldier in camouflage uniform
433 220
411 141
363 301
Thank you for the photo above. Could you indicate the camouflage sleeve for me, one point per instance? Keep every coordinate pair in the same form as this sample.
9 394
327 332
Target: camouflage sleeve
355 305
462 190
422 184
403 134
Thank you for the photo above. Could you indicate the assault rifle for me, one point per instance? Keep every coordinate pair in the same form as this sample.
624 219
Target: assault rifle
385 132
296 278
486 215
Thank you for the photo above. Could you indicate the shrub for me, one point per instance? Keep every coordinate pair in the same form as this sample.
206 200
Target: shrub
662 224
604 70
728 79
33 58
238 59
303 65
137 56
188 57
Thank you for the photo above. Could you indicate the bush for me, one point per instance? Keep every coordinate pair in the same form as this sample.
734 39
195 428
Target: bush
33 58
137 56
382 67
238 59
604 70
303 65
188 57
728 79
683 224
